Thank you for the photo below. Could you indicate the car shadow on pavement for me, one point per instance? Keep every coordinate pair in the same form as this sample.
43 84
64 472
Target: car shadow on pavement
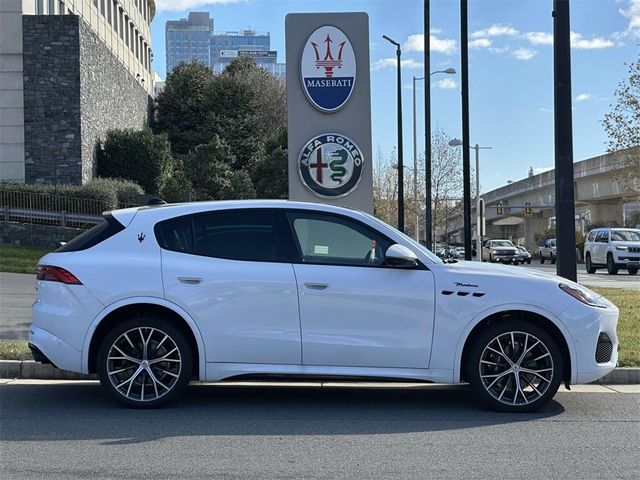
84 411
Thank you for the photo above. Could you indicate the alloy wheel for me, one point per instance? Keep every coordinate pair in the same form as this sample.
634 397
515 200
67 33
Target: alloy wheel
516 368
144 364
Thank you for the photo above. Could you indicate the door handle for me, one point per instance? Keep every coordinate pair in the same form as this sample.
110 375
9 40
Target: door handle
317 286
190 280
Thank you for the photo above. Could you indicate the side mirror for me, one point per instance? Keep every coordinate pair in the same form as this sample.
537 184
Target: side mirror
400 256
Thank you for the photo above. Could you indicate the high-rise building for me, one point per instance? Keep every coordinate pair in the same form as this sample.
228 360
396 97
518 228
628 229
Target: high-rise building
194 39
70 70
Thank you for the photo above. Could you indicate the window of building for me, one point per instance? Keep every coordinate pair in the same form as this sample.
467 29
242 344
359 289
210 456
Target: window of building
121 23
109 12
95 3
103 8
60 7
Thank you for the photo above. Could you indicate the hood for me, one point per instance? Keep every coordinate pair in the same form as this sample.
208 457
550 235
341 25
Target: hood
497 270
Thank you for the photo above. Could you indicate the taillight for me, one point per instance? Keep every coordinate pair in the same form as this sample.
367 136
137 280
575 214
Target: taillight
56 274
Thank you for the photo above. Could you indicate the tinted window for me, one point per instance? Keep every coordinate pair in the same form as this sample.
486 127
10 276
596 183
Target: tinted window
336 240
592 236
234 234
98 233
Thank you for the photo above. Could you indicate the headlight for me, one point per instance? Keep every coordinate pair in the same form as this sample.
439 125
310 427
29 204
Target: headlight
494 252
585 296
622 247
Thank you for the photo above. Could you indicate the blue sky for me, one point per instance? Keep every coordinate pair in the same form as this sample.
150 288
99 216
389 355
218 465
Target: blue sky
511 61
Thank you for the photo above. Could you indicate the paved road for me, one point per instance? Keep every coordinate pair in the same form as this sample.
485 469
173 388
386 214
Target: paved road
599 279
17 294
68 431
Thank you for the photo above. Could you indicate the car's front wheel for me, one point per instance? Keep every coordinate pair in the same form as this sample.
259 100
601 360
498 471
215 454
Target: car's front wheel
588 265
612 269
144 362
514 366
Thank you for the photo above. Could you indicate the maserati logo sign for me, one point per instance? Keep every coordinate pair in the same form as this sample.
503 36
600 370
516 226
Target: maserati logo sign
328 68
331 165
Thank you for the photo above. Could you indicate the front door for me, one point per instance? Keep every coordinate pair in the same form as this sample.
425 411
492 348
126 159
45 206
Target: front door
354 310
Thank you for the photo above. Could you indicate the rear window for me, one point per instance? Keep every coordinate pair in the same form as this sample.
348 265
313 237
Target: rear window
108 227
248 235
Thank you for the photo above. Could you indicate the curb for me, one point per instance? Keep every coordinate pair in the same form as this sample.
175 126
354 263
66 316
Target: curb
29 369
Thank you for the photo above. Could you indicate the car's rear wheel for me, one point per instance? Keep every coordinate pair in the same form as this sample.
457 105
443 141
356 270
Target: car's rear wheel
553 260
588 265
611 265
514 366
144 362
541 258
632 271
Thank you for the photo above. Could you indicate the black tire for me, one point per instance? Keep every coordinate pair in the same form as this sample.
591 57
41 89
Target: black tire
490 258
156 385
588 265
611 266
553 260
541 259
632 271
534 398
529 262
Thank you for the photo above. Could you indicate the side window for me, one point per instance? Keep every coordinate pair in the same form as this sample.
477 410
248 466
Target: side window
602 236
591 236
248 235
334 240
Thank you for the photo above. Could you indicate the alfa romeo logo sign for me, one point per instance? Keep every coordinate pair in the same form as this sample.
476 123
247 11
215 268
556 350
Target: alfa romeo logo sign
330 165
328 68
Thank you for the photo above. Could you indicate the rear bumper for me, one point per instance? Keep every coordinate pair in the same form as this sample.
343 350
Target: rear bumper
46 346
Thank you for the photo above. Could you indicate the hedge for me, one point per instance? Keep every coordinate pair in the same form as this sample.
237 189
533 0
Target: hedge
109 192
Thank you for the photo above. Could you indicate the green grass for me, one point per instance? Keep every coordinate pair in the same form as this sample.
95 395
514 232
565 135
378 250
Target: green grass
628 301
20 259
14 350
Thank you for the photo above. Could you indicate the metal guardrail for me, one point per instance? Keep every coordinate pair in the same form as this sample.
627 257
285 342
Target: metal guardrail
29 207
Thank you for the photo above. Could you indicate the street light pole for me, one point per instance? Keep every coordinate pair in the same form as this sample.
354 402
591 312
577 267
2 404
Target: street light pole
428 214
427 229
400 153
464 54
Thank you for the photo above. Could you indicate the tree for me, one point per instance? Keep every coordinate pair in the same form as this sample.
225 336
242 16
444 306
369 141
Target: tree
622 126
183 108
271 177
139 156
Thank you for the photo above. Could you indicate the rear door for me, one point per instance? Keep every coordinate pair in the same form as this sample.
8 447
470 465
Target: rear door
227 269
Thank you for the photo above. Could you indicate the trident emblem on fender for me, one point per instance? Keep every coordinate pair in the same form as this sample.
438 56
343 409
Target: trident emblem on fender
328 62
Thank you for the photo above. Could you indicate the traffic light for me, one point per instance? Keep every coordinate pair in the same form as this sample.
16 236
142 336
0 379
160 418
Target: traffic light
527 209
499 209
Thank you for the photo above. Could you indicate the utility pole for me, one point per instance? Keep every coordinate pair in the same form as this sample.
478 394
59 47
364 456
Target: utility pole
565 206
428 225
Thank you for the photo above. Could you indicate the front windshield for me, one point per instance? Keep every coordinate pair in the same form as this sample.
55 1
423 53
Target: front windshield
433 257
522 249
625 235
503 243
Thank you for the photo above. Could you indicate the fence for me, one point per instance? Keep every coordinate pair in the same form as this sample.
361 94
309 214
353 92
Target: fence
64 211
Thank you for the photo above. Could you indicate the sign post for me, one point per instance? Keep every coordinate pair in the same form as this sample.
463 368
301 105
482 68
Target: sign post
329 109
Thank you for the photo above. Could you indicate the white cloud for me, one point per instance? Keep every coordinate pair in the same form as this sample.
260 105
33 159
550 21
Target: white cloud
539 38
524 53
583 97
546 110
415 43
632 12
577 41
480 43
188 4
496 30
391 62
445 84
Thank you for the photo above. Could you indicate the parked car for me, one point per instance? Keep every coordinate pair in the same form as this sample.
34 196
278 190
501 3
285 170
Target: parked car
155 296
499 251
547 250
614 249
523 255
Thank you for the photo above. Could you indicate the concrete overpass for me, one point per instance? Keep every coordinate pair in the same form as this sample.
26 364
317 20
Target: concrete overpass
599 200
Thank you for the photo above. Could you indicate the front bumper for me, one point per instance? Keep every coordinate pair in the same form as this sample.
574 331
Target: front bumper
53 349
586 324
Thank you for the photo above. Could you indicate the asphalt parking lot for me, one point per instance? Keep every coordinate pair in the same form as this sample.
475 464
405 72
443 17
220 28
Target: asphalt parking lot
72 430
599 279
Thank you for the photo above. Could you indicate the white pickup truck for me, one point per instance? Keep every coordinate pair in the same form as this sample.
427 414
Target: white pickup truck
547 250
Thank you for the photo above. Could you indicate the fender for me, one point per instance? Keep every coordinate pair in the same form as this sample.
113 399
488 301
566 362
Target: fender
513 306
152 300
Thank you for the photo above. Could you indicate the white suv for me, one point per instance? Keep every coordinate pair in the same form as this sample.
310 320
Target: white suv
613 249
156 296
